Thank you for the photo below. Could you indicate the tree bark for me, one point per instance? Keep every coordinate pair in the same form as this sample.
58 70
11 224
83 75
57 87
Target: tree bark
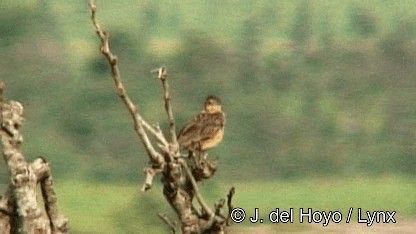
19 209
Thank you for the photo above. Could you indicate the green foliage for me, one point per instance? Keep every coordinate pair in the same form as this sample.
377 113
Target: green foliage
249 52
200 53
302 24
13 31
395 45
362 21
150 15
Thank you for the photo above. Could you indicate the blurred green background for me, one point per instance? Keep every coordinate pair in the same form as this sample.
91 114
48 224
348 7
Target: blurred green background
319 97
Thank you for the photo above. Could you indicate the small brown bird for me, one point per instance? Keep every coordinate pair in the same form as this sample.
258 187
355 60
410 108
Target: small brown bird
206 130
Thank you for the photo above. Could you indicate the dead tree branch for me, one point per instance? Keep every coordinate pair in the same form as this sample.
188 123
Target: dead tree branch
179 176
170 223
162 74
198 196
139 123
21 212
229 203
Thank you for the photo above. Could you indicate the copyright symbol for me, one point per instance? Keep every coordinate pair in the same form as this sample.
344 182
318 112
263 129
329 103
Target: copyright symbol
238 215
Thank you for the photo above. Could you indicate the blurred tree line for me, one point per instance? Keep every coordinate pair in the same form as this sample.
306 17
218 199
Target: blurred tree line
311 102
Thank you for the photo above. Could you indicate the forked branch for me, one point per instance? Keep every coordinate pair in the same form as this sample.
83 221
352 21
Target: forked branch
19 206
179 183
139 122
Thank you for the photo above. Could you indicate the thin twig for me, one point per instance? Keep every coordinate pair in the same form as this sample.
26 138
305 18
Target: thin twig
229 203
139 122
155 132
162 74
171 224
1 91
198 196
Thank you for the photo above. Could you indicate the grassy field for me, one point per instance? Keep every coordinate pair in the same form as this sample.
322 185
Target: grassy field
104 208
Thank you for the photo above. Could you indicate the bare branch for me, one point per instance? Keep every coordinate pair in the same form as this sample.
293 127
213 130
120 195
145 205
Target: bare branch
171 224
198 196
22 178
4 208
19 210
5 216
8 216
58 223
150 174
162 74
155 131
229 203
1 91
179 181
139 122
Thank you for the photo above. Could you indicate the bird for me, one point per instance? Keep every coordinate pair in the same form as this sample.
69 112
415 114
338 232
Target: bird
206 130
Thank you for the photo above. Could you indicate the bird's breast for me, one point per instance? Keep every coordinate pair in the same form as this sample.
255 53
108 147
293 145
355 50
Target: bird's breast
213 141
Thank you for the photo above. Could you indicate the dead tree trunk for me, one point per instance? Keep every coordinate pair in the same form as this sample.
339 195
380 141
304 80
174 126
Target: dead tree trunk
179 174
19 209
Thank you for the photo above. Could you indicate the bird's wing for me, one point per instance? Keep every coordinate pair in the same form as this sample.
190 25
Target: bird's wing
202 127
212 124
191 131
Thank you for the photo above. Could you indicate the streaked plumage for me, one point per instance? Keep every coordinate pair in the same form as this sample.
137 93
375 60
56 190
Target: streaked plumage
206 130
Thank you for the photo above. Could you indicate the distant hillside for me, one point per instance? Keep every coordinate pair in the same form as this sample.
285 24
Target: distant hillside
309 87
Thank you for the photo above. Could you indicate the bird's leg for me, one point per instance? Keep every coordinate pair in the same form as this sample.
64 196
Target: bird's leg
198 159
200 155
